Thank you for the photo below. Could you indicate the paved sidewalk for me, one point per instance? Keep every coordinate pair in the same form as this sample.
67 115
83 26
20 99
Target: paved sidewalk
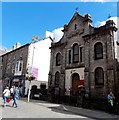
94 114
34 110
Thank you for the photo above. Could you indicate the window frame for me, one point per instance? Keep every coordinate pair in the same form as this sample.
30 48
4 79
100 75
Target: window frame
99 75
57 78
75 53
58 59
98 51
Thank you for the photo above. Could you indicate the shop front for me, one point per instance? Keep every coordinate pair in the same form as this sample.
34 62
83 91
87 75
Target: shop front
19 81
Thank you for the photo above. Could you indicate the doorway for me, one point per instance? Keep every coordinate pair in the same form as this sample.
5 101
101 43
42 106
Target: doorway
75 83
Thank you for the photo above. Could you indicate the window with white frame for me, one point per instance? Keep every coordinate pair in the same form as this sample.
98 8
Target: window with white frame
18 67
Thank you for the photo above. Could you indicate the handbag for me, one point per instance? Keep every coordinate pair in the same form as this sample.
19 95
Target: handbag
8 100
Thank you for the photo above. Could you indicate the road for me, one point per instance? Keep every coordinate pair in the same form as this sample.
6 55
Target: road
41 109
35 110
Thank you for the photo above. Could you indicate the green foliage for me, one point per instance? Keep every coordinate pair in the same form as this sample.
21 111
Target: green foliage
30 78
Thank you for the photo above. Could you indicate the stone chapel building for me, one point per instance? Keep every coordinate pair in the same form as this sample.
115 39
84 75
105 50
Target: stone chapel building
85 55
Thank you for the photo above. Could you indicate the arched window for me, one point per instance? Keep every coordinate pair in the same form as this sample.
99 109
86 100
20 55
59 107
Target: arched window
58 59
98 50
57 78
99 76
75 53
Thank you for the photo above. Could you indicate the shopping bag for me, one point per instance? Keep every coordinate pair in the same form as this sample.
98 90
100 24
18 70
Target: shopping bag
8 100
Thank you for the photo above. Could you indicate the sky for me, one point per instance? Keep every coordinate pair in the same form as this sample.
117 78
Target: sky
22 20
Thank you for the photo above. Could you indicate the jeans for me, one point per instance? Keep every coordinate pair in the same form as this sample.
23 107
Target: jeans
5 99
12 95
15 102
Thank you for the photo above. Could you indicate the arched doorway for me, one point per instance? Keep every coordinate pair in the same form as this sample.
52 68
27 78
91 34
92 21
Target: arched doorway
75 83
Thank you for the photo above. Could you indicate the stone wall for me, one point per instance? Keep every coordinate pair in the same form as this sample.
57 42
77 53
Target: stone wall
86 36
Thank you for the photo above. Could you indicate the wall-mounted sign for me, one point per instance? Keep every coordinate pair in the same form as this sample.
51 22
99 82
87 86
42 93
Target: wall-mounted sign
35 73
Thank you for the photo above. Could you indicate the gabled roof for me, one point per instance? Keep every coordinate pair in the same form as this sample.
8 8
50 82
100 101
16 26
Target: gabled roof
74 17
83 19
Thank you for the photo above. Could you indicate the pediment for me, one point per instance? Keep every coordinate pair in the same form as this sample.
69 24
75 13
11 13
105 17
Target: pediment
75 26
77 18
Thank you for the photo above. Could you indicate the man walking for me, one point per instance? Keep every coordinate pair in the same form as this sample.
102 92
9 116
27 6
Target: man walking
15 97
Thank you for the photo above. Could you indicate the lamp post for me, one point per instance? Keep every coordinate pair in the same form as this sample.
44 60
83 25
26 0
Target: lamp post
31 77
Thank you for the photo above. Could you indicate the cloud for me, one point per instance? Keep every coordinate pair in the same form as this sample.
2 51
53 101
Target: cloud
57 34
101 23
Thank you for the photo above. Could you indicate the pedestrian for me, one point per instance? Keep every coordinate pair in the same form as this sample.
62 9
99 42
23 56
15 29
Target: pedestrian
6 95
20 91
12 91
111 99
15 97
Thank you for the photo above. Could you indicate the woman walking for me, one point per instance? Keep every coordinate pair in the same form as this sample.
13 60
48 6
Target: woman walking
6 94
15 97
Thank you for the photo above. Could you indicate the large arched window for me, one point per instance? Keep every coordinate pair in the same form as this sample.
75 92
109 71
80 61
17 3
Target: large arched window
99 76
98 50
58 59
75 53
57 78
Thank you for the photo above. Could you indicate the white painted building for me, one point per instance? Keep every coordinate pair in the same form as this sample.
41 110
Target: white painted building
38 61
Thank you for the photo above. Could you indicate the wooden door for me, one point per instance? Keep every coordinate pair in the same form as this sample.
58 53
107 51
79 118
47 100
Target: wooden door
75 83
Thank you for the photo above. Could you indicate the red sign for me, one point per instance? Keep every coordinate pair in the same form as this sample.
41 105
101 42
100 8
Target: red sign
82 82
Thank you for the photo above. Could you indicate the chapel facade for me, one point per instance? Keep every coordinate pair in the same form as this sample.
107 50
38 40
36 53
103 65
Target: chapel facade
85 56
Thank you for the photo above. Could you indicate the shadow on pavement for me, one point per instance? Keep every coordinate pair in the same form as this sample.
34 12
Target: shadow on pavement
6 106
62 109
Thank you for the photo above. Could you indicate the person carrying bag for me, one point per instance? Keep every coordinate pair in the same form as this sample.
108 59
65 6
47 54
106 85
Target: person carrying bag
6 95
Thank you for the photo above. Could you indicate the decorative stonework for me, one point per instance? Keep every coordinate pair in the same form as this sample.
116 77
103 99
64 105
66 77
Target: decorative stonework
87 36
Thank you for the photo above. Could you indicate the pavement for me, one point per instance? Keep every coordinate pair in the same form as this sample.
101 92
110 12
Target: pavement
43 109
32 110
93 114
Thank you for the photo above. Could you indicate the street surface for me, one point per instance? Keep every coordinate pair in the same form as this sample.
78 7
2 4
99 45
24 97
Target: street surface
41 109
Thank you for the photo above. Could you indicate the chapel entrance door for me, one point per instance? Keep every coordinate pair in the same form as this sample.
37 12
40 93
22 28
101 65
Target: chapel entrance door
75 83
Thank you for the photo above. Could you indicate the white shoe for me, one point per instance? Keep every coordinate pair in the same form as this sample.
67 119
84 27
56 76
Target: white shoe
4 105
